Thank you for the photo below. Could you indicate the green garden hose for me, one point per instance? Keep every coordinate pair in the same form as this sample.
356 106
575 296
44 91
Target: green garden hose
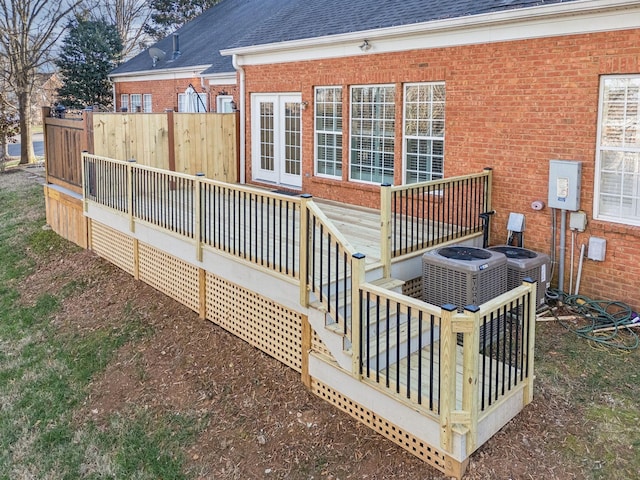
605 323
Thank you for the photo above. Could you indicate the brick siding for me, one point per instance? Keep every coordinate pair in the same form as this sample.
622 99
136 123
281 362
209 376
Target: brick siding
164 93
512 106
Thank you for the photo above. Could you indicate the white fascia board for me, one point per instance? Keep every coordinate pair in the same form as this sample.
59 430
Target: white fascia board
229 78
163 74
580 17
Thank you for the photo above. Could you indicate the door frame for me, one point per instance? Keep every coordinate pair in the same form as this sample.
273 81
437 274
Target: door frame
278 175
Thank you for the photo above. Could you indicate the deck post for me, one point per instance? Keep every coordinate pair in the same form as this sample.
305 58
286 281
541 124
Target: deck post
130 163
197 230
202 294
87 122
46 113
357 278
306 348
82 179
385 229
470 372
487 194
304 249
531 338
447 376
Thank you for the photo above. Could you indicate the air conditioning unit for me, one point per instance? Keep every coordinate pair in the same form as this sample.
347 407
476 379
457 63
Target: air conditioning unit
463 276
523 263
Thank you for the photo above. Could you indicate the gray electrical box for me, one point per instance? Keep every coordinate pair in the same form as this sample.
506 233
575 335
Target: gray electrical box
564 184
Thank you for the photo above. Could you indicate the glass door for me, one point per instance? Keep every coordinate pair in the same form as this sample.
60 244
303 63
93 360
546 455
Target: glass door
276 131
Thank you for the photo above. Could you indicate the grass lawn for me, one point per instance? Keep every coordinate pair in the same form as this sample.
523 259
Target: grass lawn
45 372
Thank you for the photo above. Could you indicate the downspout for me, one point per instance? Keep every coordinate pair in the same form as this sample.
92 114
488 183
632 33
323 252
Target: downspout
243 160
113 89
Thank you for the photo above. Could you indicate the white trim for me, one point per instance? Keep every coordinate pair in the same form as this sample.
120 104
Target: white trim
230 78
164 74
327 132
237 64
222 101
350 138
427 137
624 220
277 175
579 17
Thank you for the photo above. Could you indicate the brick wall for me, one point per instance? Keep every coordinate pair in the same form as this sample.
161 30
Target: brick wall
511 106
165 92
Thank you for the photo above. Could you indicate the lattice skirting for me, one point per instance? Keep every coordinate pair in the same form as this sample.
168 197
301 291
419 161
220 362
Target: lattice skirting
259 321
272 328
413 288
318 346
170 275
113 246
412 444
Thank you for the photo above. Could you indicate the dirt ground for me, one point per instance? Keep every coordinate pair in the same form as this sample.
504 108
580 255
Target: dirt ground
262 422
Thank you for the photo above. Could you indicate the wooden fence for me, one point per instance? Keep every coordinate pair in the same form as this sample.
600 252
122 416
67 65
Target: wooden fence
64 142
182 142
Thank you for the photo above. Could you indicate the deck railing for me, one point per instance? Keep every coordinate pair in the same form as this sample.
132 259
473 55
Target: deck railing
327 262
456 366
164 199
399 345
418 216
254 225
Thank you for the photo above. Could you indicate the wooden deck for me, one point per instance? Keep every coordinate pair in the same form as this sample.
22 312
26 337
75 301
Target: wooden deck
359 225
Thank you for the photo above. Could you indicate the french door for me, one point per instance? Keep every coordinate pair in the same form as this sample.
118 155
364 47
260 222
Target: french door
276 133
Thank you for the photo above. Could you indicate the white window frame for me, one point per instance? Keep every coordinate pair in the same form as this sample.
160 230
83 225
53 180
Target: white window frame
334 135
224 104
136 101
425 127
618 154
147 103
124 102
374 159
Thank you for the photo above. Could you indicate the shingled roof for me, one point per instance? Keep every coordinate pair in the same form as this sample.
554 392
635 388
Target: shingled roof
202 38
305 19
245 23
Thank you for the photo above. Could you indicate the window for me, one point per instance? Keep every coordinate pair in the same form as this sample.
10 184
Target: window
124 102
224 104
423 131
328 130
136 102
617 181
372 133
197 102
148 105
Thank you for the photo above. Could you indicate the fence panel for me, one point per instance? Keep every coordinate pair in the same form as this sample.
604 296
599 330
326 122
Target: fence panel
125 136
64 142
187 142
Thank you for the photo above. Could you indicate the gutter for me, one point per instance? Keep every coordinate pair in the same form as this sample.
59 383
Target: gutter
542 12
192 71
241 106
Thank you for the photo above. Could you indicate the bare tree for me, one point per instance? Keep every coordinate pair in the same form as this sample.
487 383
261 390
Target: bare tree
129 18
28 31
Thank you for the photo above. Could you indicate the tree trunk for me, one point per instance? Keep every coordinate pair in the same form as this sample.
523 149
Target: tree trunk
27 154
4 152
